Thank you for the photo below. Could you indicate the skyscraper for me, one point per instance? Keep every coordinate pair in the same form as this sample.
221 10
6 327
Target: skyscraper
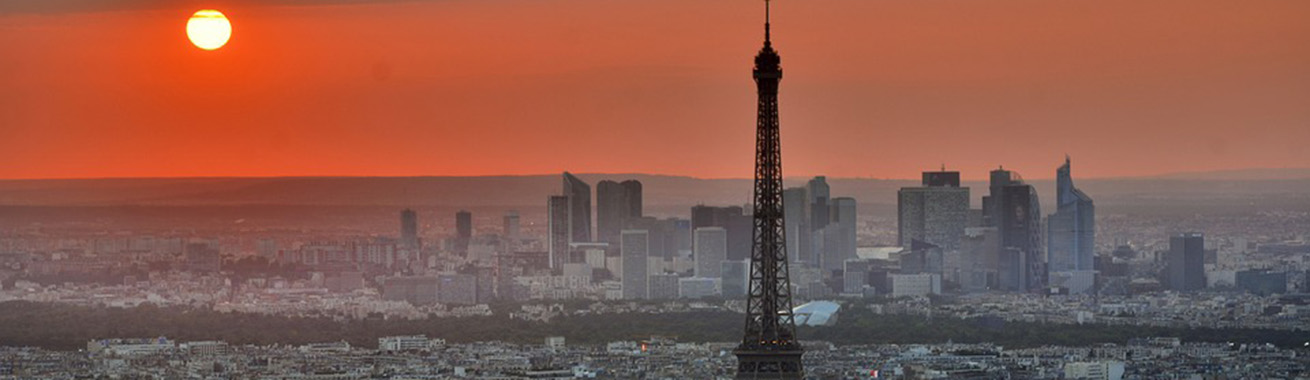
409 228
463 232
579 196
1013 208
935 212
511 239
839 235
734 220
769 348
1186 262
711 249
616 203
664 240
662 286
797 225
980 254
511 228
1071 230
819 195
633 250
734 276
557 221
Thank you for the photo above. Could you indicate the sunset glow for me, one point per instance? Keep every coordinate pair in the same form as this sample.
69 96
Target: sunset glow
485 88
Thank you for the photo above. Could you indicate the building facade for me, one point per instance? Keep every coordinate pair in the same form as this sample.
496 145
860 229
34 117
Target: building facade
936 212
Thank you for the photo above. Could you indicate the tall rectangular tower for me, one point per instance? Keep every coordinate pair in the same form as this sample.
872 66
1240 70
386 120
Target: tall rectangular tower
463 232
616 204
579 195
711 249
557 239
935 212
1186 262
1071 230
409 228
633 248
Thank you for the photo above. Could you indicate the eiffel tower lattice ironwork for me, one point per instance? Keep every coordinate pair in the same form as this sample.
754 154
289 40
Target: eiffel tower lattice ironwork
769 349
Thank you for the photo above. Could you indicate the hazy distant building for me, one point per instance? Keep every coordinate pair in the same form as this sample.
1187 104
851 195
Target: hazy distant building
662 286
668 237
710 250
415 290
202 258
1261 282
796 224
941 178
936 212
579 195
734 220
1186 262
1014 209
916 285
616 203
463 232
511 227
1071 230
921 257
457 289
698 287
733 277
409 228
557 238
838 236
819 193
633 247
1073 281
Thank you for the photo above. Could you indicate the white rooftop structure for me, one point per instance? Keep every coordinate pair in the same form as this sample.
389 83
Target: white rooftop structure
816 313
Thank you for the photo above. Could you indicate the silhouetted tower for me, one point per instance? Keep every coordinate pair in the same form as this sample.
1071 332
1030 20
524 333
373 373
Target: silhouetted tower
409 228
769 349
463 232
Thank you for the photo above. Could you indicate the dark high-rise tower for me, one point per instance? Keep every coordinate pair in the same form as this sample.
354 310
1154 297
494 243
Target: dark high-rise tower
616 204
1186 262
409 228
769 349
579 194
463 232
557 237
1013 208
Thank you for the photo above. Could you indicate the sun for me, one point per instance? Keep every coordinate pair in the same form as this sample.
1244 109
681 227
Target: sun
208 29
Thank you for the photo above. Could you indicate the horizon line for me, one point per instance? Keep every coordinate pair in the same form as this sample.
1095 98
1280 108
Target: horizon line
344 176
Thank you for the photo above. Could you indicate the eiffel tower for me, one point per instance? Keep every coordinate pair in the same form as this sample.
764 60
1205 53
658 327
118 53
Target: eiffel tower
769 349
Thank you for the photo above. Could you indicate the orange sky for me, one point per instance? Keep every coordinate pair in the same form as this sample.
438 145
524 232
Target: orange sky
480 87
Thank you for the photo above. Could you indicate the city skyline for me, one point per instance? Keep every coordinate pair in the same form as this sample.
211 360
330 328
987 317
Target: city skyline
1219 83
970 270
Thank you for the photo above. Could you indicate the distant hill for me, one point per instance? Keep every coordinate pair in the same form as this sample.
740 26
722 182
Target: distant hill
1242 174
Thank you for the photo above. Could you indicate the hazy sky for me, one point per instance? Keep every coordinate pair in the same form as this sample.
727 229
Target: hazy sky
471 87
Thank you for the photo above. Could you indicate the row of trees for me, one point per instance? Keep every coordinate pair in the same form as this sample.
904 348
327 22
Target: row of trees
66 327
